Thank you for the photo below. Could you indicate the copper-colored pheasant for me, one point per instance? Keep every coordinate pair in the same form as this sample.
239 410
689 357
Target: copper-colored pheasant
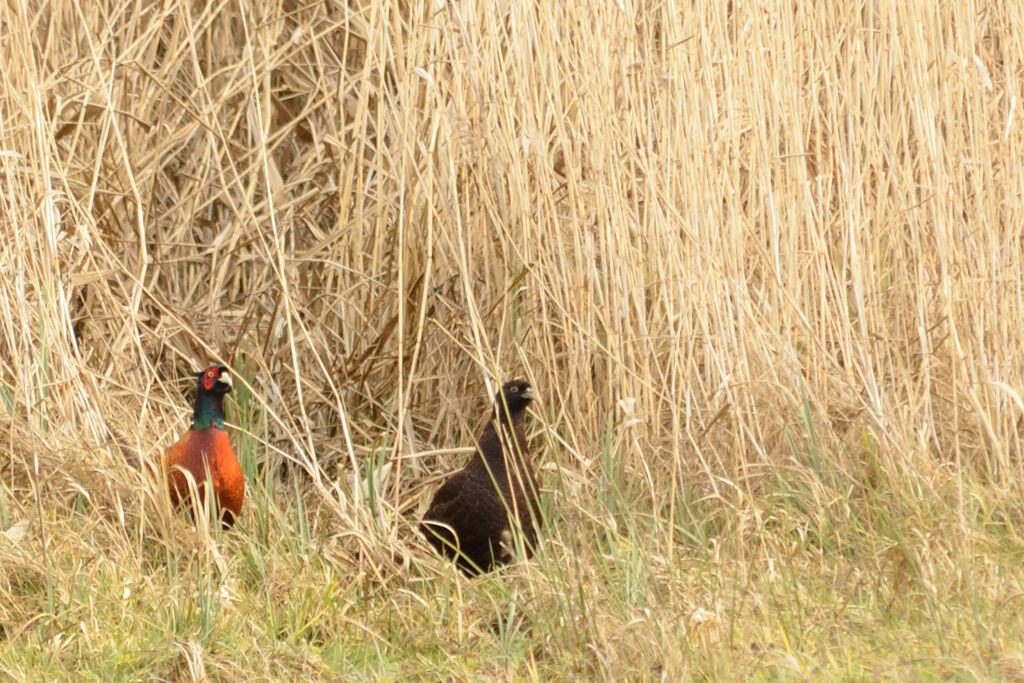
471 516
205 447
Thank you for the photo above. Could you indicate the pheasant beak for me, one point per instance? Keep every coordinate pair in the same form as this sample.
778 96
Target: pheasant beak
529 394
225 378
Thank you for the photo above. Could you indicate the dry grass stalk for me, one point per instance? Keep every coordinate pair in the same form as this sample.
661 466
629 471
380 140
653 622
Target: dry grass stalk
763 263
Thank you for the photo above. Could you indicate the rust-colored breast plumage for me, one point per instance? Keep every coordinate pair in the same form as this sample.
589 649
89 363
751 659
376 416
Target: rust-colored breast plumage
198 451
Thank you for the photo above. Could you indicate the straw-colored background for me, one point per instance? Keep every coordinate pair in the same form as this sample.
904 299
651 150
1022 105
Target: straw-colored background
762 262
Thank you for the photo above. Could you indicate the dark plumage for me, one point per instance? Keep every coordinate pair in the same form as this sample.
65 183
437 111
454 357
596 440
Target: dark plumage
477 502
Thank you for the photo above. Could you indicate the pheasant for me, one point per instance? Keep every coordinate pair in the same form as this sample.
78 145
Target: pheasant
205 446
471 515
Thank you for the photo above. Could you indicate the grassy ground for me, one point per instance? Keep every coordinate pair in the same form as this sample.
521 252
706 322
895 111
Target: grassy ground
763 263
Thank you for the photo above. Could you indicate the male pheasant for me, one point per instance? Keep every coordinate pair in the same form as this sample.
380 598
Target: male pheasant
205 447
471 516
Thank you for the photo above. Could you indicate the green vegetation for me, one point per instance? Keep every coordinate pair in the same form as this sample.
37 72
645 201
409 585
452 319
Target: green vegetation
762 262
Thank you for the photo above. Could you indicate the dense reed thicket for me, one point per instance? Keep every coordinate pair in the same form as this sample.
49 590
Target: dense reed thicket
762 262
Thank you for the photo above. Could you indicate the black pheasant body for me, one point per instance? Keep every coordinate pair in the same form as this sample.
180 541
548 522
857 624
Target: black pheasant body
471 516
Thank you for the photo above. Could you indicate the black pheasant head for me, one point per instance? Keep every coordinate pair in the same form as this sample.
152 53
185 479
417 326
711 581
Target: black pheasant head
515 396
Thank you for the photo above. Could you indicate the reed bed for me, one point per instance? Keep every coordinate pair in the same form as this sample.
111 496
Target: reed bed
762 261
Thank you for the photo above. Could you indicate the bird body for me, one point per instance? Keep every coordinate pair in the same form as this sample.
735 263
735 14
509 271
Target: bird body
205 451
470 518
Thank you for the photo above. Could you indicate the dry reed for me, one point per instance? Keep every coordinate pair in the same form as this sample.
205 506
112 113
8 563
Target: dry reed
762 261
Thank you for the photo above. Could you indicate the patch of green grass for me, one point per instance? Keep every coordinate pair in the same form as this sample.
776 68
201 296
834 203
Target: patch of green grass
926 594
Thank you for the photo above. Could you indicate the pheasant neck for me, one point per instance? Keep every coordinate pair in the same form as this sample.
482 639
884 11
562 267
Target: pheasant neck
209 412
506 431
504 419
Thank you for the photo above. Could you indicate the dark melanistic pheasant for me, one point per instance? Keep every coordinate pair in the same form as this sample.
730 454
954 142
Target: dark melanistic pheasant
470 518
